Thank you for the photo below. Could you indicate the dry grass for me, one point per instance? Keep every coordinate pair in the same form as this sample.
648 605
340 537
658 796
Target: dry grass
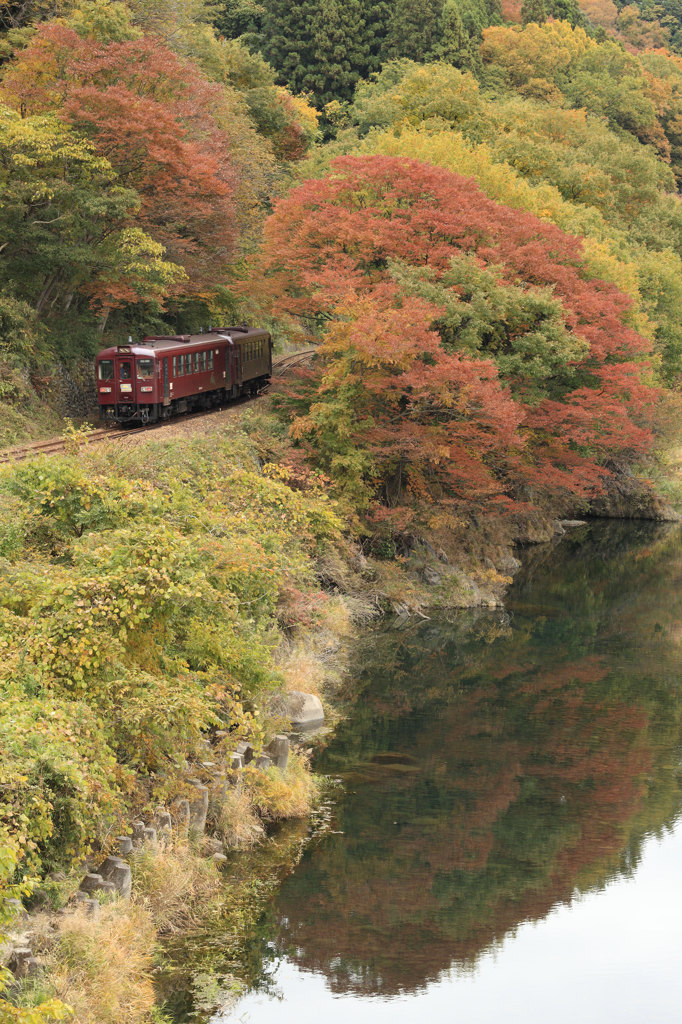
281 795
302 668
101 967
237 824
174 887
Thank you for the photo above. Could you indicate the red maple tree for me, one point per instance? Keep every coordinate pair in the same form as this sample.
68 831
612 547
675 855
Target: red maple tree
437 422
158 122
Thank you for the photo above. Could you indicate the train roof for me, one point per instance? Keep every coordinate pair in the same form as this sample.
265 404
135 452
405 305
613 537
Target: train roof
162 342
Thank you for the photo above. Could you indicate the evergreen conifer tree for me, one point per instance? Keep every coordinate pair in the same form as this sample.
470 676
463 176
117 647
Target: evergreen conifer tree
317 46
533 11
453 42
412 30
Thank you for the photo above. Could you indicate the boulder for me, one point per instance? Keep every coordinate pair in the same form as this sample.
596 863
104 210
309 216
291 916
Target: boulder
211 846
93 882
22 962
304 710
236 761
278 750
263 762
198 808
123 881
115 870
164 822
181 808
125 845
138 832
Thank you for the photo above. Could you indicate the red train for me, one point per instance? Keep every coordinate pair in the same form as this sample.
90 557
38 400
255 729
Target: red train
169 374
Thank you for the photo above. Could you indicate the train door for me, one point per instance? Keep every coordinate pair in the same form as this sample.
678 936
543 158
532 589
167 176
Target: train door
125 382
166 383
235 370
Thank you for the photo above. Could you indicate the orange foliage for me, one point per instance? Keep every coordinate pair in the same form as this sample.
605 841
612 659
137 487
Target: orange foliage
443 419
156 119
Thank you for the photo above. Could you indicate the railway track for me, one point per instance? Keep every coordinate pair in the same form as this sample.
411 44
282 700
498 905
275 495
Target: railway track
54 445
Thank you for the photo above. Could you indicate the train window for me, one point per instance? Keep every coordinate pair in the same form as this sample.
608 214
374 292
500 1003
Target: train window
125 370
210 360
181 366
188 362
145 369
196 362
202 362
106 369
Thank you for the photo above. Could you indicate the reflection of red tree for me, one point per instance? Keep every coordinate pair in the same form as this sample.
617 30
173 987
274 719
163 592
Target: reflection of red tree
536 779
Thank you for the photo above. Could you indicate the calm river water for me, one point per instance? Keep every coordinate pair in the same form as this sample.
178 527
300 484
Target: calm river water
506 843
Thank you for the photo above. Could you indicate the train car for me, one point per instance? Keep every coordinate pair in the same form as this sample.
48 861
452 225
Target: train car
169 374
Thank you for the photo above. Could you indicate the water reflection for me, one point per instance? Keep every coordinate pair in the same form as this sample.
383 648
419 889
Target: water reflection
495 765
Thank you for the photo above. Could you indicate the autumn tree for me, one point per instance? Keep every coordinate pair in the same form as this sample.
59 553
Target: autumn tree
156 121
69 225
563 65
424 397
408 93
649 277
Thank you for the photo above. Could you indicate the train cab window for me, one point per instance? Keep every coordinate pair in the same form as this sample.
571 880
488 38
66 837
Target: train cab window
196 362
181 366
125 370
106 369
188 362
145 369
202 362
210 359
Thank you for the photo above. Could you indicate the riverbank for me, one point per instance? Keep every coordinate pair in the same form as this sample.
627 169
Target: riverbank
505 776
160 601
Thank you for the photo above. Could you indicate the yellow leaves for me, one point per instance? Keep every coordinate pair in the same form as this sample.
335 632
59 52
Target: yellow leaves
535 51
503 183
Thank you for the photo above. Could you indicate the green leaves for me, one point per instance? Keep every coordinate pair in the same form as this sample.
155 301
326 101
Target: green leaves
139 608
